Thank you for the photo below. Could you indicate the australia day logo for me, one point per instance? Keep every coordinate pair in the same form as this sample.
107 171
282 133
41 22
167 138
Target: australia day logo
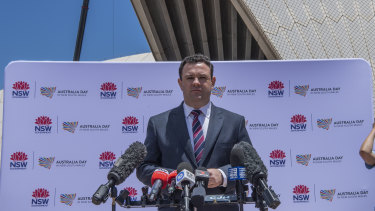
130 124
134 91
40 198
20 89
46 162
70 126
303 159
327 194
298 123
218 91
108 90
301 90
106 160
301 194
276 89
43 125
18 161
324 123
67 199
47 91
277 158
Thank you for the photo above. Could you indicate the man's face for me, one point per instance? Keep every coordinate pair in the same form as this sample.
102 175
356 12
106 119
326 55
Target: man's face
196 84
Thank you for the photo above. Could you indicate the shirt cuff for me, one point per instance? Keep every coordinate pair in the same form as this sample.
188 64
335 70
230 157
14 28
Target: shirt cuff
225 182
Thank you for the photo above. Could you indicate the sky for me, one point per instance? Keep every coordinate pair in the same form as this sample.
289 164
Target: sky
46 30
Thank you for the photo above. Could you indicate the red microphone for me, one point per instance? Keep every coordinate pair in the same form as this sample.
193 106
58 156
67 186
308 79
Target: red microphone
159 180
172 182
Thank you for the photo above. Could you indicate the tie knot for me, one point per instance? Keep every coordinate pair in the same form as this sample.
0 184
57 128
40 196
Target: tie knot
196 113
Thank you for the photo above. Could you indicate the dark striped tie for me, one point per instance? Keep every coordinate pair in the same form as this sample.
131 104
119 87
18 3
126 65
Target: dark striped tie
197 136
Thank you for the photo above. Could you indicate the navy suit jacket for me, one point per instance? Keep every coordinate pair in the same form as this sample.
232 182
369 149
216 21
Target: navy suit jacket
168 143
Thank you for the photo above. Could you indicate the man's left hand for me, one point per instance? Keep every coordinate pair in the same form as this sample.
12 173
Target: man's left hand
216 179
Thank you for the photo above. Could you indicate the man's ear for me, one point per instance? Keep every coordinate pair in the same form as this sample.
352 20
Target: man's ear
213 80
179 82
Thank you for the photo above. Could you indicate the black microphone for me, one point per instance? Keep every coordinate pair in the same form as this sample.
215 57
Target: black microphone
199 192
244 154
121 170
185 179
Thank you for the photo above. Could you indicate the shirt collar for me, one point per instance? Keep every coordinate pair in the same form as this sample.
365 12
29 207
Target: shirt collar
206 110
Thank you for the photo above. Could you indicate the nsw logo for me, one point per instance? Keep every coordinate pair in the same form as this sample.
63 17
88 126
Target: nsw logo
43 125
47 91
218 91
107 160
70 126
276 89
108 90
18 161
298 123
303 159
46 162
301 193
327 194
132 193
324 123
67 199
301 90
277 158
20 89
134 91
40 198
130 124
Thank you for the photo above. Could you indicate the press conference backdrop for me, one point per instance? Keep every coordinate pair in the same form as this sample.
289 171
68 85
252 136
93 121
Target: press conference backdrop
65 124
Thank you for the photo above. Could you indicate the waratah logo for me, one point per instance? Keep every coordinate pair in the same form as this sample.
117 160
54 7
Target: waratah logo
130 124
18 161
276 89
20 89
134 92
301 193
40 198
132 193
67 198
324 123
107 160
46 162
301 90
218 91
70 126
303 159
108 90
298 123
277 158
43 124
327 194
47 91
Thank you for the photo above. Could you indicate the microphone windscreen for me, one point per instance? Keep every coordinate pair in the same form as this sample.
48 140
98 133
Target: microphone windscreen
237 156
125 165
252 161
184 165
160 174
172 176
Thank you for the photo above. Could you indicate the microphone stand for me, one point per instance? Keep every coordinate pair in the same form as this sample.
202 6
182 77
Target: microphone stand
113 196
186 205
239 192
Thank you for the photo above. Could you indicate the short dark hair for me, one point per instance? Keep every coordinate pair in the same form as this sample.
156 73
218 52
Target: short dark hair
194 59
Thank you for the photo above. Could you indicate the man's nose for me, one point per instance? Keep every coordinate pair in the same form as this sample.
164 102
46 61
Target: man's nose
196 81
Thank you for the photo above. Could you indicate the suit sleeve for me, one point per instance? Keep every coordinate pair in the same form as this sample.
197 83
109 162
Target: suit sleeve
242 135
152 161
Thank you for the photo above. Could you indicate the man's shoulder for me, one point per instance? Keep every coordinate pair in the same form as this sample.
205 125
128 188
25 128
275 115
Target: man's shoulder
167 113
227 112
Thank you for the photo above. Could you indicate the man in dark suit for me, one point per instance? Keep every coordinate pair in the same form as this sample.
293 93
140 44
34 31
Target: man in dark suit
197 132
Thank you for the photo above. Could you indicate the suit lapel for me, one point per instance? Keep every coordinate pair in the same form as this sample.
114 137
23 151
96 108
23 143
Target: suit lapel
214 127
182 133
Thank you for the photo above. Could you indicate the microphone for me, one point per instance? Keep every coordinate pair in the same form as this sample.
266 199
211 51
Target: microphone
201 181
172 182
185 179
121 170
244 154
159 181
